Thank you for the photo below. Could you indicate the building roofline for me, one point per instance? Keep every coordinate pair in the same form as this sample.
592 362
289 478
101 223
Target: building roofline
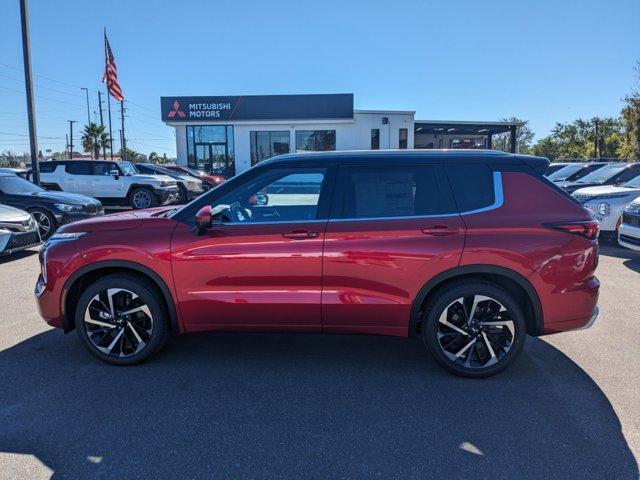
465 122
390 112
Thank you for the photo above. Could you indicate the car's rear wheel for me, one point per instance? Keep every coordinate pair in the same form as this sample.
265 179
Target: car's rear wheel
46 222
140 198
121 319
474 328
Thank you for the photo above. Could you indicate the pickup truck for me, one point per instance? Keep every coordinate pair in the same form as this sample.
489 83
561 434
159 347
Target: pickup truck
113 183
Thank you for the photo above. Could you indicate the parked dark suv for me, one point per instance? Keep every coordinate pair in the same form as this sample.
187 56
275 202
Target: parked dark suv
448 246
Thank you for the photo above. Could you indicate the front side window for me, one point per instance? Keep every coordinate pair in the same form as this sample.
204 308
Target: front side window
267 144
396 191
103 169
282 195
403 138
315 140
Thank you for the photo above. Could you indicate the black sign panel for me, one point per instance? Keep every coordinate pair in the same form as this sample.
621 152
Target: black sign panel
257 107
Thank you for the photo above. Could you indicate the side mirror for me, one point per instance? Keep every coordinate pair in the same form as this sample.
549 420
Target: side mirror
115 174
262 199
204 219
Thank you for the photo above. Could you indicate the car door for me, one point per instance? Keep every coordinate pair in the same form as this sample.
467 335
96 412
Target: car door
104 184
77 177
392 228
259 266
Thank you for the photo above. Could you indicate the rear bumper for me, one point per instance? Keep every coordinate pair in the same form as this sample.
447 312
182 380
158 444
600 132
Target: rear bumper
580 304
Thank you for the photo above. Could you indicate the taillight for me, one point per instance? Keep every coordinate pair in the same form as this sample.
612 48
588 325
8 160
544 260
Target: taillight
588 229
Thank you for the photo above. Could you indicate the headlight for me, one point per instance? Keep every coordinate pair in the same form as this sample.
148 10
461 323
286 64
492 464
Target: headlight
603 208
59 237
68 208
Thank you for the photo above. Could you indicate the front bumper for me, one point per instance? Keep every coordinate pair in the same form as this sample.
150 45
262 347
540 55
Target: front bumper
629 237
63 218
167 195
11 242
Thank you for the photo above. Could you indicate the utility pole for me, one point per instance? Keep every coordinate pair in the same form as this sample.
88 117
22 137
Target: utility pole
31 108
71 122
122 154
124 141
595 142
86 90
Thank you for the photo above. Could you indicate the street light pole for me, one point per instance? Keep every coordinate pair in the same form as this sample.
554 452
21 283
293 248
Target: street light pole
71 122
31 108
86 90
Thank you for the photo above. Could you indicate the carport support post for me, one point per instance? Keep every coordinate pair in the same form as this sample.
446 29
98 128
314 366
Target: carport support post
512 131
490 141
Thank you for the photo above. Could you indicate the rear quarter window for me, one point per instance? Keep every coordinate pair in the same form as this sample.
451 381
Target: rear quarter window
472 186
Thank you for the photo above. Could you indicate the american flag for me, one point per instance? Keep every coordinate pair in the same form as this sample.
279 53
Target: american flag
110 76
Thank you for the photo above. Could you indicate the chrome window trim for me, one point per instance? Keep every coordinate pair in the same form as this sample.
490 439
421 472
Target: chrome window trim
498 201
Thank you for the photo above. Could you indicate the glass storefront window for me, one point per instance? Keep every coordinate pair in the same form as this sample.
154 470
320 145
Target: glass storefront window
267 144
315 140
210 148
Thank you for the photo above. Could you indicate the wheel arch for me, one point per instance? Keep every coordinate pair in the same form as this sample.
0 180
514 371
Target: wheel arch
507 278
75 283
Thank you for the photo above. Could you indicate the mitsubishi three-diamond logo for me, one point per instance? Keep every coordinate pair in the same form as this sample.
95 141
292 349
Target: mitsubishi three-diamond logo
176 110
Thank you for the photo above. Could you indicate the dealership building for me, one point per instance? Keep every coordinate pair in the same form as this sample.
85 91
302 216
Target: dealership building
232 133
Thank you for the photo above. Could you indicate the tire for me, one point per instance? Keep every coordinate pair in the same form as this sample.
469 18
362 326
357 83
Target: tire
142 197
125 339
481 350
46 222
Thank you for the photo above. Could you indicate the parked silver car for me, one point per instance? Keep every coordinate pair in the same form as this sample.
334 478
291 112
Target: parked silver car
18 230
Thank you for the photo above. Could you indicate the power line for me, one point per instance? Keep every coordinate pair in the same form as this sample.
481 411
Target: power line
42 98
42 86
41 76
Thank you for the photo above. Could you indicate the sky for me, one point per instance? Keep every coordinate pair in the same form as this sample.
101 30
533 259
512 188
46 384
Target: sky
540 60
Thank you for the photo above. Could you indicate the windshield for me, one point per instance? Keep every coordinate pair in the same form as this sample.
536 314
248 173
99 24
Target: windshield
164 171
12 185
128 168
565 172
603 174
193 172
634 183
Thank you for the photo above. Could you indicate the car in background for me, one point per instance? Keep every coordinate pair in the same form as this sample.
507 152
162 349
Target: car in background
554 167
608 202
49 209
189 186
209 180
612 174
629 231
18 230
114 183
574 171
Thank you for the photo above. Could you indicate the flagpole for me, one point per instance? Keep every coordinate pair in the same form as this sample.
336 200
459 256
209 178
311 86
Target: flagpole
108 97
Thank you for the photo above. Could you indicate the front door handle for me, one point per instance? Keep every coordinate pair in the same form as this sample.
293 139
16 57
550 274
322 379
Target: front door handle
439 230
301 235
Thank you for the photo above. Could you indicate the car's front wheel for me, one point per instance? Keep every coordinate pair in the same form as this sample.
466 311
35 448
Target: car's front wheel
140 198
474 328
46 222
121 319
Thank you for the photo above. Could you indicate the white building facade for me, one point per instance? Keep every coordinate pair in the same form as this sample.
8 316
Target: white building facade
231 134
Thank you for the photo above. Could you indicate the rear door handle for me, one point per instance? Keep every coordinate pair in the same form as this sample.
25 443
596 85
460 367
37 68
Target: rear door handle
439 230
301 235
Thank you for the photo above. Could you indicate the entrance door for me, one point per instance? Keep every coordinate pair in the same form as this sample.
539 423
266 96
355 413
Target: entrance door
213 156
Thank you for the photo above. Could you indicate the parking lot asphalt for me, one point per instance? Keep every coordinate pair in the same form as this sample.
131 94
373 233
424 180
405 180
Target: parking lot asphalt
316 406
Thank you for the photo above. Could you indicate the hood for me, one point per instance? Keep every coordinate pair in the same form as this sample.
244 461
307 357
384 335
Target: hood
68 198
606 191
14 215
115 221
152 178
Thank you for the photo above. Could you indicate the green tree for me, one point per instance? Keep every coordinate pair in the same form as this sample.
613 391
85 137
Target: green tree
153 157
524 137
94 138
631 119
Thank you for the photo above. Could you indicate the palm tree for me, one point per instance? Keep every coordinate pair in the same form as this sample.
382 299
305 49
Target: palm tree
153 157
94 138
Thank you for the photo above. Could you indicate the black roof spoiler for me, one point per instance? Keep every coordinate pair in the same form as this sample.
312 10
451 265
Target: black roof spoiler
539 164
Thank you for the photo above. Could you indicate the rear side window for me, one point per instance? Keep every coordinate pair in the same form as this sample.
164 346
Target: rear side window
396 191
47 167
472 186
78 168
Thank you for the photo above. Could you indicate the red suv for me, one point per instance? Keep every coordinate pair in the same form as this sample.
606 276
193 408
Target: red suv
471 250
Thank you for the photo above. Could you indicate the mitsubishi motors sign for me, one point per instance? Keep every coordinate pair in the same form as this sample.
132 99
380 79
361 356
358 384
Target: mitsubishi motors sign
257 107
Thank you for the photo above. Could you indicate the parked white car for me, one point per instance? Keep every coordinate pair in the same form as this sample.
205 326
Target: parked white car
629 231
114 183
189 187
18 230
607 202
